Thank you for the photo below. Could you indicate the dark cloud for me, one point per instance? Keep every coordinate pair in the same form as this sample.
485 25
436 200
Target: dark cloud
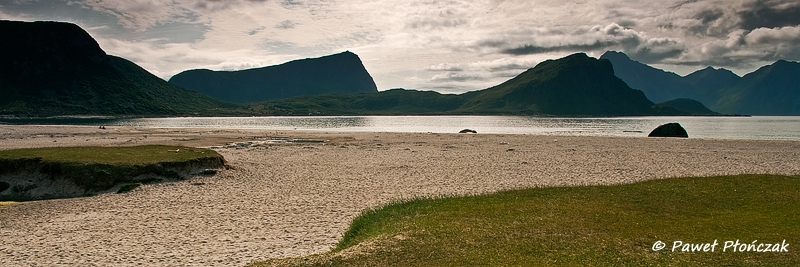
711 23
709 15
435 23
256 30
291 4
458 77
681 4
628 23
716 62
745 49
719 22
769 14
650 55
596 38
216 5
535 49
286 24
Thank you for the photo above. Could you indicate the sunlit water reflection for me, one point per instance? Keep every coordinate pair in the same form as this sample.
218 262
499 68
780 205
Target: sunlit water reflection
754 128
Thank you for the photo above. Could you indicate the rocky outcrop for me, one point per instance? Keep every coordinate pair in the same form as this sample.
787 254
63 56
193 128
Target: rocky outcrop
673 129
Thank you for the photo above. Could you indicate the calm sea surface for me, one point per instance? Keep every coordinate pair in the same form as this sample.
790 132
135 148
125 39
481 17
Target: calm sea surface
753 128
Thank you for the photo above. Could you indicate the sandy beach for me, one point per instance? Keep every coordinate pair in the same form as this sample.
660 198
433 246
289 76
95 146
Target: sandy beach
292 199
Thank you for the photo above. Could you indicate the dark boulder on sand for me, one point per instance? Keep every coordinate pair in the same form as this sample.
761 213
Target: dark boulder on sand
467 131
673 129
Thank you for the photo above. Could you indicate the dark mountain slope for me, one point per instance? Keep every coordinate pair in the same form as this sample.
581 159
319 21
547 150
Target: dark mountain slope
689 106
54 68
709 83
770 90
657 85
339 73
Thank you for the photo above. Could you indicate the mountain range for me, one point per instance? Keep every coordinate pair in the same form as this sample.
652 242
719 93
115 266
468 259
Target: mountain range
54 68
339 73
576 85
770 90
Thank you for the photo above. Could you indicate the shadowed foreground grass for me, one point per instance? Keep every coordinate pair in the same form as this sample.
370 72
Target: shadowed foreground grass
581 226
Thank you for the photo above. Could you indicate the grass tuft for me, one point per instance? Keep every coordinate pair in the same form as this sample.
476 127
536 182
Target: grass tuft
581 226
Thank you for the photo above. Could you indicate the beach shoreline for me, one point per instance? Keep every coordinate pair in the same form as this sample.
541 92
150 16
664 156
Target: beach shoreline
286 199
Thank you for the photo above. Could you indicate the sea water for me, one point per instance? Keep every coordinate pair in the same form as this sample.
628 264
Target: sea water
750 128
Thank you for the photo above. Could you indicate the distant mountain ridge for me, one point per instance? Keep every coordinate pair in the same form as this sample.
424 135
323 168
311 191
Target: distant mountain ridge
576 85
771 90
338 73
55 68
658 85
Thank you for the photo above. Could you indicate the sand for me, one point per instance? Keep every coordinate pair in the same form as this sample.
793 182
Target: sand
285 200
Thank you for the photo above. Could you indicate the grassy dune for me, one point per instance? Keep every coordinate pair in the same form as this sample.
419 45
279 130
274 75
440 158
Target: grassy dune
581 226
109 155
96 169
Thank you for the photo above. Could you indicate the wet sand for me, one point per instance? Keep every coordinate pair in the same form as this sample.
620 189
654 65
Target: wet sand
294 199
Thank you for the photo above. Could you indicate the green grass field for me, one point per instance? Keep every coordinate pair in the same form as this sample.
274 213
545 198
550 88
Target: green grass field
581 226
132 155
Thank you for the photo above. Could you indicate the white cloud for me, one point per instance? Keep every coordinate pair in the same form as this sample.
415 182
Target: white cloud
773 36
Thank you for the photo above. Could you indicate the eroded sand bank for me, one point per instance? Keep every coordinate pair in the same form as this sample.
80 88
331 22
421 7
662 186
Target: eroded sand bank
285 200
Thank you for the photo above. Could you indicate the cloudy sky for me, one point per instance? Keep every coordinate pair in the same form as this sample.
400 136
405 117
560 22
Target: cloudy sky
448 46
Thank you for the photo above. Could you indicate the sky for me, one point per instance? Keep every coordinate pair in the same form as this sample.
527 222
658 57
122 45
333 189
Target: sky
450 46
